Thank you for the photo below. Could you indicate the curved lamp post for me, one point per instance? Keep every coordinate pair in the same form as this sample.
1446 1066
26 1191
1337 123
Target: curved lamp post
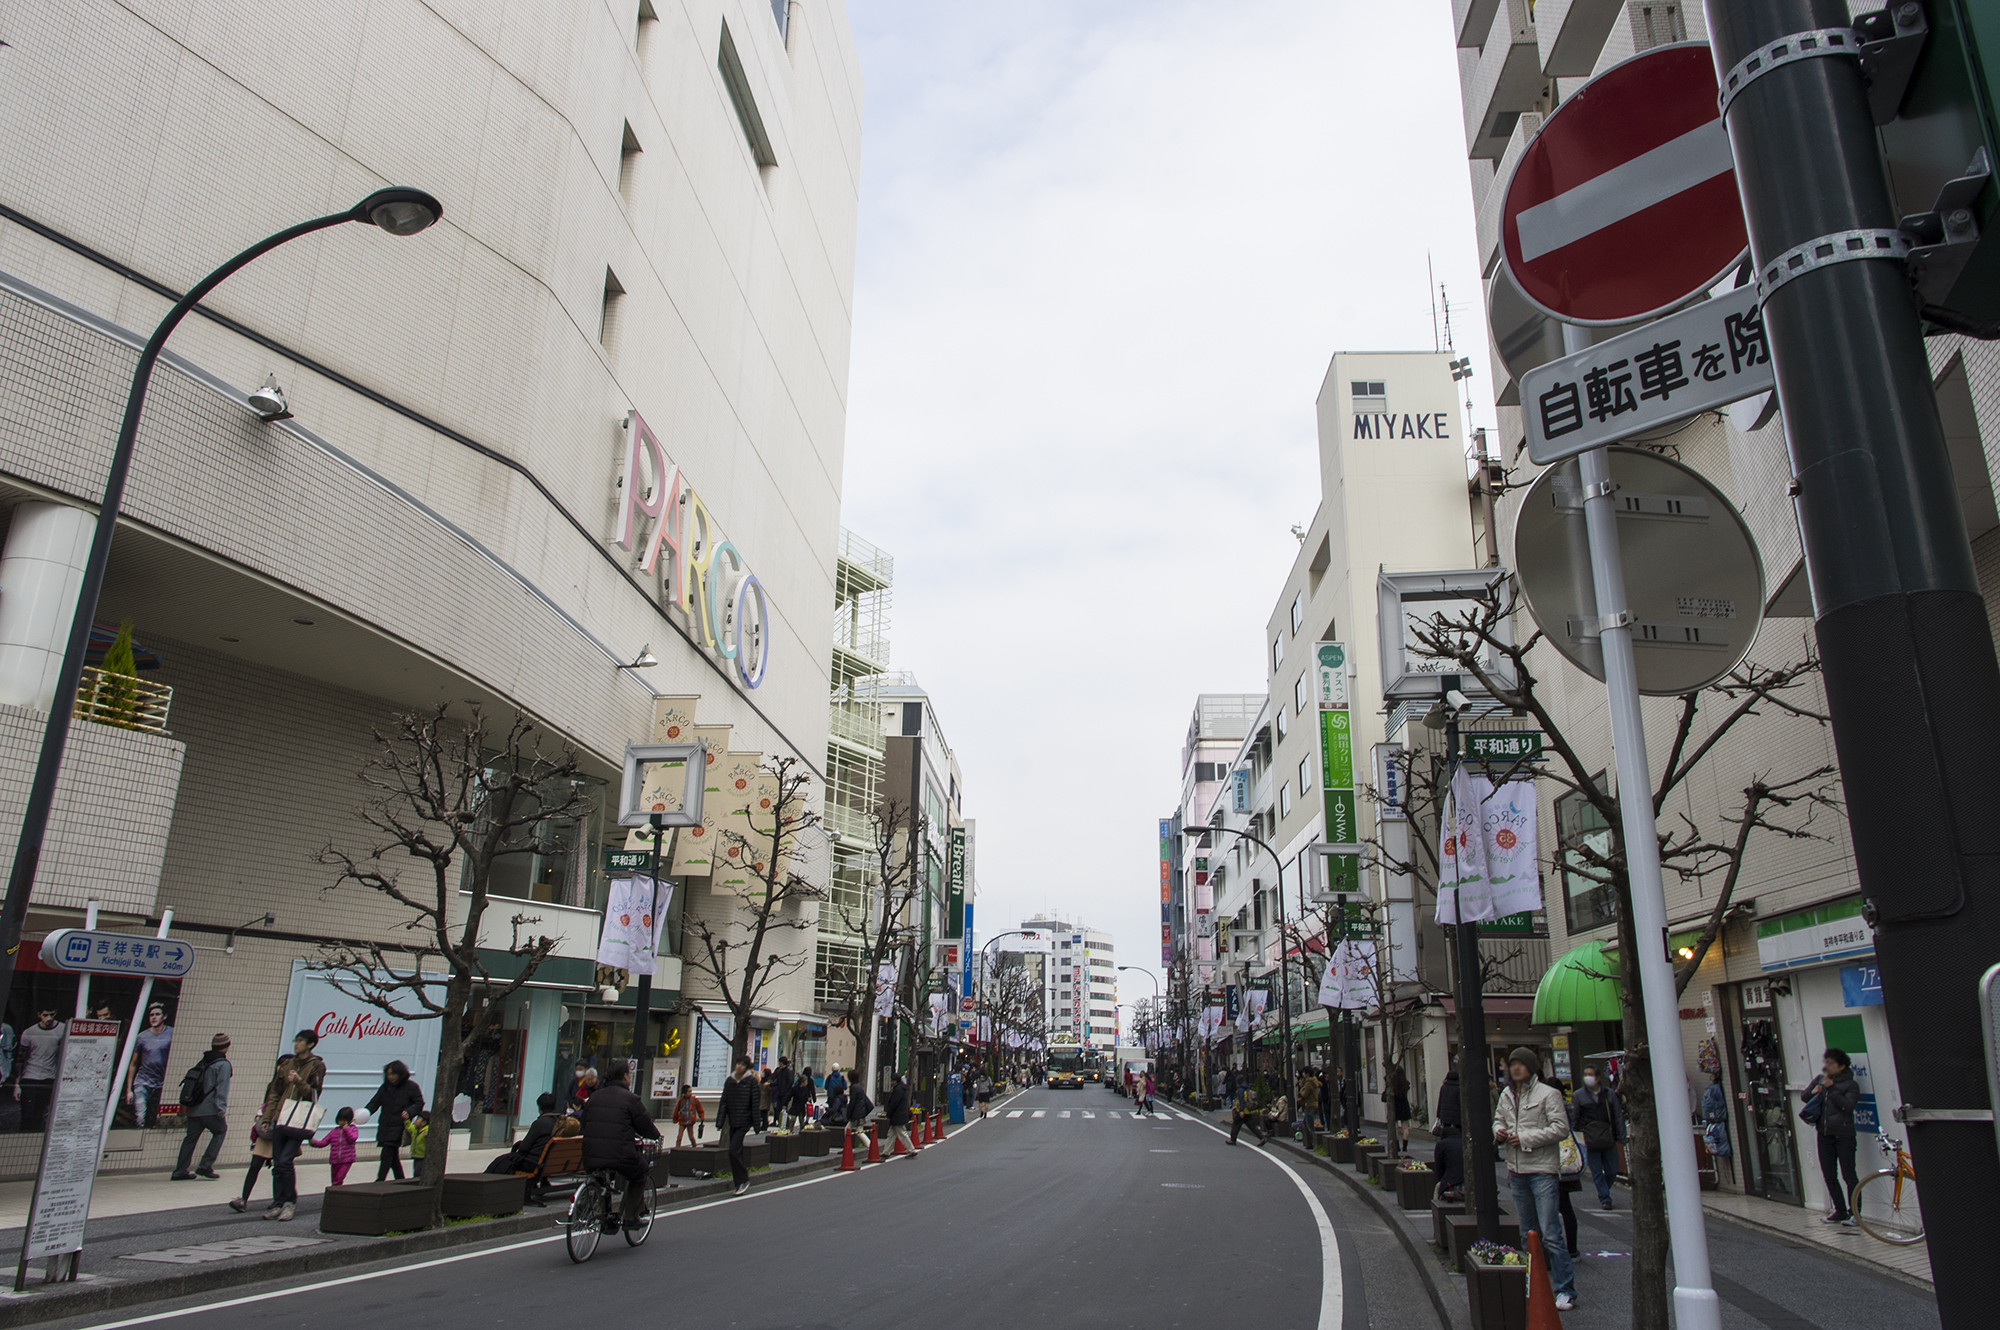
1284 995
400 212
1156 994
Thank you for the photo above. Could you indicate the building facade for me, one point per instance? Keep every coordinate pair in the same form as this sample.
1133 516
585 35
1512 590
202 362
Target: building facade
1080 981
597 412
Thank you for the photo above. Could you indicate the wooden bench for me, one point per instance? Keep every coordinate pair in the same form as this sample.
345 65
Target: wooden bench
562 1157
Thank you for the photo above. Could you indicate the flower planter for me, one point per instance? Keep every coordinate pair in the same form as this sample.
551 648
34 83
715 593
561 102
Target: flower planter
470 1194
371 1209
698 1161
784 1149
1363 1154
1464 1231
754 1156
1413 1189
1382 1170
1441 1214
816 1141
1498 1295
1340 1149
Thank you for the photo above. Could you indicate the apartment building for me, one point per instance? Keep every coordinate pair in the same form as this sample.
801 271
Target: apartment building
575 451
1081 978
1791 973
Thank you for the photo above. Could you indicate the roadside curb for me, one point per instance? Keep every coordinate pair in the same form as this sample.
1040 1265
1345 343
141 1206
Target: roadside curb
1444 1294
65 1300
1853 1260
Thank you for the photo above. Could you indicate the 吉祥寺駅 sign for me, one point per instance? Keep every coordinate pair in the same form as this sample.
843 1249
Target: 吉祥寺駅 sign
698 572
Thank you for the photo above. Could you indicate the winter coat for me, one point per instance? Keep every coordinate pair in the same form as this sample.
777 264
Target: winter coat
1599 1116
389 1105
737 1107
295 1078
612 1119
1309 1093
339 1144
1540 1119
836 1084
897 1105
781 1088
1837 1100
527 1151
689 1112
803 1096
215 1073
1449 1113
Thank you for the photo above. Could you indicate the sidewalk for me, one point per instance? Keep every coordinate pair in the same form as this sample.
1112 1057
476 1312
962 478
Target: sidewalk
1910 1265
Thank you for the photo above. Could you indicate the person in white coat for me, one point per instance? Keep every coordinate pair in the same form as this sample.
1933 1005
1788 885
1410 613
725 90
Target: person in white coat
1529 1124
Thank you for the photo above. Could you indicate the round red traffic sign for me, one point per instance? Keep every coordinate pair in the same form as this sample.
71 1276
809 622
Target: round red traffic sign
1625 203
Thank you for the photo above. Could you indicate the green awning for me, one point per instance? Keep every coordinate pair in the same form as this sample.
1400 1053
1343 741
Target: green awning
1305 1027
1581 986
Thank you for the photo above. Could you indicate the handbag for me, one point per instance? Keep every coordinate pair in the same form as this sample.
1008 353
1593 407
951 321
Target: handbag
1571 1164
1812 1110
302 1114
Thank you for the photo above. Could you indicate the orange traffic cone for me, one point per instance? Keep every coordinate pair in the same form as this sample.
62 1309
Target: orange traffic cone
937 1126
917 1131
896 1143
874 1146
1542 1314
847 1164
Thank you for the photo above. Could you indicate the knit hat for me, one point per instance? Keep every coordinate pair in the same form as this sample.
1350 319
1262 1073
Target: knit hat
220 1041
1527 1057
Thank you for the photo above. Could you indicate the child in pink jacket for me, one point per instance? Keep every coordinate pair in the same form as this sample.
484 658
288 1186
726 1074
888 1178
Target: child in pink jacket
339 1144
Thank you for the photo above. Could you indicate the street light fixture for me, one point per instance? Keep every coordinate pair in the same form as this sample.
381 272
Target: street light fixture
1284 995
398 210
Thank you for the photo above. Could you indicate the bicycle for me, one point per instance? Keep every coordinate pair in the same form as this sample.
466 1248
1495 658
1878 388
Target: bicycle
598 1205
1898 1218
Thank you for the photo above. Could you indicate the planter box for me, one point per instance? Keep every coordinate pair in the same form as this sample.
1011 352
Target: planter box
1413 1190
1340 1149
784 1149
1362 1154
1464 1231
754 1156
698 1161
817 1141
371 1209
470 1194
1498 1295
1441 1214
1382 1170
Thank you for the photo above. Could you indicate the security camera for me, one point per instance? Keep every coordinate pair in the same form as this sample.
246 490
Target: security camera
1456 700
269 401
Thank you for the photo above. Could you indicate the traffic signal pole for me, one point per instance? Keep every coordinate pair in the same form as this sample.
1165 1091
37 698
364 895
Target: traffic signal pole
1911 679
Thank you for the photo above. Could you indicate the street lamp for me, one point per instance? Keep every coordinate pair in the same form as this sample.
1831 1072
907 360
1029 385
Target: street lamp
399 211
1284 995
1156 991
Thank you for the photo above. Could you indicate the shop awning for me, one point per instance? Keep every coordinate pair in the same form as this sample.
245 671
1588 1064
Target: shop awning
1581 986
1305 1027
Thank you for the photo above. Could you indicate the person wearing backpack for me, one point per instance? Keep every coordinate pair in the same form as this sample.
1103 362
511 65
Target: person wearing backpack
204 1106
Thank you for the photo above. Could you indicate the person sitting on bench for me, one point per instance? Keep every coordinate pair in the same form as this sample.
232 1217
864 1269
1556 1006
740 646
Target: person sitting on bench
526 1156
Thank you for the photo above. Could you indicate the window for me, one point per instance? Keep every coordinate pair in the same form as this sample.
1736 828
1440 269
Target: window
734 79
1284 724
1587 900
1277 652
1655 25
1284 801
1369 394
913 718
611 314
1299 690
628 164
646 30
781 10
1305 773
1298 601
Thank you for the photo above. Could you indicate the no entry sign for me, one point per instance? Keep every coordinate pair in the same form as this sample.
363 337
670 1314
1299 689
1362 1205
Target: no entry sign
1625 202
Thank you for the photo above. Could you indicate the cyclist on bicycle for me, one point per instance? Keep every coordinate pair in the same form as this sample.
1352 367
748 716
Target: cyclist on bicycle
613 1120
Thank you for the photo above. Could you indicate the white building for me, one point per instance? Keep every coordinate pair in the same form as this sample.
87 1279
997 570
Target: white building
1081 981
645 261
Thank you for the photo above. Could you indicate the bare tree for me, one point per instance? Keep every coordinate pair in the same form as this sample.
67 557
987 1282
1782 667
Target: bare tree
768 936
1012 1001
1468 642
450 802
882 919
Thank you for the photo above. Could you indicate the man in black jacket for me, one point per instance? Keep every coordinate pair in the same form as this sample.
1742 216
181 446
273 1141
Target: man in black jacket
613 1120
782 1082
526 1156
735 1113
896 1107
1838 1093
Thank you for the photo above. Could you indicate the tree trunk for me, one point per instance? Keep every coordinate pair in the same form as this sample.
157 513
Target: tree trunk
1642 1137
444 1089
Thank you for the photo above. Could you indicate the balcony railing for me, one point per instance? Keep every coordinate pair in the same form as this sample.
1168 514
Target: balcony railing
123 700
861 726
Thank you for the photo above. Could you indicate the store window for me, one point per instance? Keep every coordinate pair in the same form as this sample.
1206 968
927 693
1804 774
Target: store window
30 1055
565 864
1588 900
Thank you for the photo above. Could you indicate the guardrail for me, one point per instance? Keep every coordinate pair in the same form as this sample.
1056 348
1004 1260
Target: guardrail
123 700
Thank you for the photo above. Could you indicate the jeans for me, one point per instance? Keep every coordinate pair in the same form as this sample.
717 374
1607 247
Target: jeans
1836 1157
1603 1168
213 1124
35 1103
284 1173
145 1104
1538 1205
738 1168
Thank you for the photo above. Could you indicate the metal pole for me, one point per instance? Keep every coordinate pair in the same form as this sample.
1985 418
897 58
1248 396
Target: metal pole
1911 681
1475 1084
1696 1306
132 1040
55 732
1284 989
642 999
83 980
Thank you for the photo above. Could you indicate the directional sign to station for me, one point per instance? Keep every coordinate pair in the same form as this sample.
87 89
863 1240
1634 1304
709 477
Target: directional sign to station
1624 204
85 952
1699 359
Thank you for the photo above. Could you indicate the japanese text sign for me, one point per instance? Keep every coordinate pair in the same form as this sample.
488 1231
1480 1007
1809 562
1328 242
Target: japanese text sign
1699 359
82 951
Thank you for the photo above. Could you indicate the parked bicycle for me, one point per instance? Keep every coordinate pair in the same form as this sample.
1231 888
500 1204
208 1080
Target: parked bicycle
598 1205
1891 1213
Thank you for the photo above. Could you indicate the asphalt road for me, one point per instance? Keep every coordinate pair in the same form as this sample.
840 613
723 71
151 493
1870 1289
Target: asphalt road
1033 1220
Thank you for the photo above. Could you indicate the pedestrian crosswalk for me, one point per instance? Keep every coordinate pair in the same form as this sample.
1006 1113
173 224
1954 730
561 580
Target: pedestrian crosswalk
1082 1113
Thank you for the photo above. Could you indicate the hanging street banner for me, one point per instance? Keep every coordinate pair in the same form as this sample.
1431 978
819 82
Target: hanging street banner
1335 735
1700 359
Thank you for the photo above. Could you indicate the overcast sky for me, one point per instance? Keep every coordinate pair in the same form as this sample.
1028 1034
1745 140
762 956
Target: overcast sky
1106 251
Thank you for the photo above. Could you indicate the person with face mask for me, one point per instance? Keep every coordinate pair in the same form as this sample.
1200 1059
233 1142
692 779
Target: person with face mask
1599 1117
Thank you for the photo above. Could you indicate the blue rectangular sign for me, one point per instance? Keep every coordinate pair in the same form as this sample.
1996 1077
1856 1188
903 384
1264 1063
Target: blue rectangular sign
1861 985
83 952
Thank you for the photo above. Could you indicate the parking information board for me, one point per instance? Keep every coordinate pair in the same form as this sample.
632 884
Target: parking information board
70 1144
1700 359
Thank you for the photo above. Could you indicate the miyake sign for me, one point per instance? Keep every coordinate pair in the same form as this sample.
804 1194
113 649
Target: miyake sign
699 572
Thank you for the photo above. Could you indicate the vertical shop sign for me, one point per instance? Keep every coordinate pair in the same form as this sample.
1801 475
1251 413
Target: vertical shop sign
1341 821
954 909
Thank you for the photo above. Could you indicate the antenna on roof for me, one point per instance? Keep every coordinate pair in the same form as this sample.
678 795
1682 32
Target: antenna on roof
1445 300
1430 279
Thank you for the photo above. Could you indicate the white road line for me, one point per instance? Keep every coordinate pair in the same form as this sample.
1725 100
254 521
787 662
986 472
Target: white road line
1089 1114
1331 1300
1114 1112
1017 1113
1651 177
1064 1113
1040 1113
